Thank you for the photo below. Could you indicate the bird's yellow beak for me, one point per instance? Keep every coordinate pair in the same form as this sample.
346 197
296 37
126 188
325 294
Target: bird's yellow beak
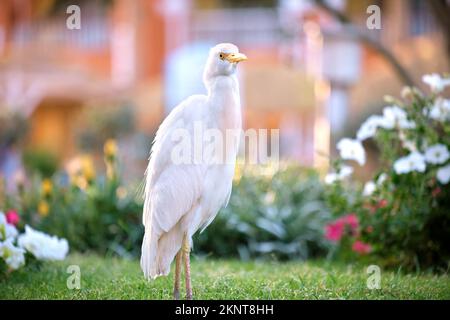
236 57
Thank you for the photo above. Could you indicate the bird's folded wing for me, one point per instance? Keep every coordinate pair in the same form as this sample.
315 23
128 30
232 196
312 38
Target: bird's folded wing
171 189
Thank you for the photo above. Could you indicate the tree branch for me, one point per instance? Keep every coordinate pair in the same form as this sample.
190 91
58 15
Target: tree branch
363 37
441 11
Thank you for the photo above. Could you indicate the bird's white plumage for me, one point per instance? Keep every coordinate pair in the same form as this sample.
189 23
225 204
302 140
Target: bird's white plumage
182 198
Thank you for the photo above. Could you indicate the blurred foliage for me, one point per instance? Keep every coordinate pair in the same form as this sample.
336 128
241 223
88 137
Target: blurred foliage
277 213
93 212
100 126
40 161
13 127
272 213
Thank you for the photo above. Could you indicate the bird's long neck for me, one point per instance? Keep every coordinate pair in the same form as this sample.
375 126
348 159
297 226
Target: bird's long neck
224 98
219 84
223 91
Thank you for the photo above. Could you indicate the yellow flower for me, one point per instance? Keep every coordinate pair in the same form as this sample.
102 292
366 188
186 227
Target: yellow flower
238 171
46 187
80 182
121 192
81 171
87 168
43 208
110 148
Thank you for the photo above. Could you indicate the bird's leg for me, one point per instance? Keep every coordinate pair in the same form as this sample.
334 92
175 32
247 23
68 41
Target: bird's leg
176 285
187 267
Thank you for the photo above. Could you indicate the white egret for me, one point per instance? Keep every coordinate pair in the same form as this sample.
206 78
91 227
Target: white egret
182 197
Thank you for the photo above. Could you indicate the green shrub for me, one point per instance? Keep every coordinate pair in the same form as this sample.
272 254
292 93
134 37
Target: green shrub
13 127
271 213
39 161
277 214
93 212
99 125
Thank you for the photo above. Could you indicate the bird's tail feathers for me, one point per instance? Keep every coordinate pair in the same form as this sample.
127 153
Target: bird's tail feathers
149 261
158 252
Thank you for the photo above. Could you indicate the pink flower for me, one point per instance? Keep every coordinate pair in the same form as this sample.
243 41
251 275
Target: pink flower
436 191
361 247
12 217
382 203
334 231
352 221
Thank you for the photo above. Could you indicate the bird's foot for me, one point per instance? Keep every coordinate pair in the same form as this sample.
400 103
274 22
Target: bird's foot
176 295
189 296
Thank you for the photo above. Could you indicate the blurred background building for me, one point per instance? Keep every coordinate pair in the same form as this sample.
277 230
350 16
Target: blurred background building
311 73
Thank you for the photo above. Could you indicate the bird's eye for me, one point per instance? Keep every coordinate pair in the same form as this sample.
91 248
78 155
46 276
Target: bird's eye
221 56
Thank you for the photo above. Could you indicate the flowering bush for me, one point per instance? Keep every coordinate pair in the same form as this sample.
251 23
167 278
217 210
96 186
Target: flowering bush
92 211
14 247
404 213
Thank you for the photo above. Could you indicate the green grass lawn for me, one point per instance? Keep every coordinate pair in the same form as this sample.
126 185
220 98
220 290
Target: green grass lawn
112 278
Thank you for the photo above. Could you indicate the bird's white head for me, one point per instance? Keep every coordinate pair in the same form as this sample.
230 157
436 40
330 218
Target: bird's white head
222 61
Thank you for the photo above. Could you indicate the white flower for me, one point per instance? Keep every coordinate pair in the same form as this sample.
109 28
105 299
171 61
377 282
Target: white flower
43 246
436 82
409 145
269 198
440 110
407 92
7 230
352 150
395 116
331 178
369 127
412 162
343 173
381 179
437 154
13 256
369 188
443 174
